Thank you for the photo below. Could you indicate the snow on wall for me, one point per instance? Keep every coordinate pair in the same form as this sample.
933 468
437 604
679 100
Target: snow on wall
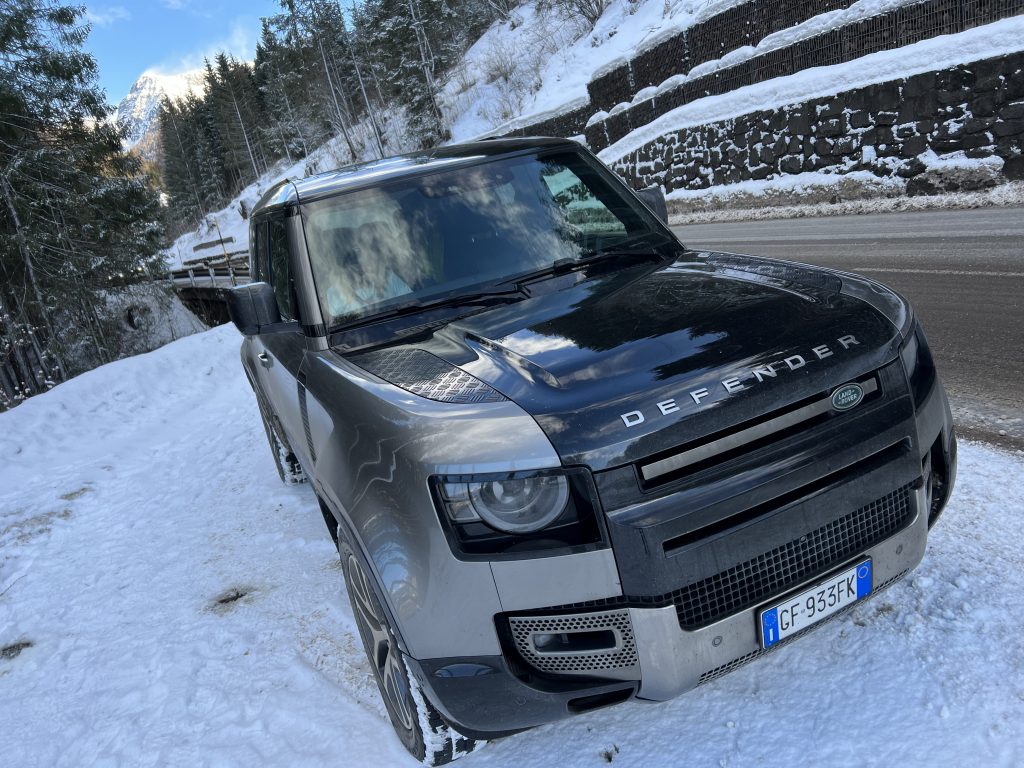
842 43
957 128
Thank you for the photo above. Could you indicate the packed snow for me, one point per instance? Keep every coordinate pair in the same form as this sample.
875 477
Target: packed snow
166 601
823 194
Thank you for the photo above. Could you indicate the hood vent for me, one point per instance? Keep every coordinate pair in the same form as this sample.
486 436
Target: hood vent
426 375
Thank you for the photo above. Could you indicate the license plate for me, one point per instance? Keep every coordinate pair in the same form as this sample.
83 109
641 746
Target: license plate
817 603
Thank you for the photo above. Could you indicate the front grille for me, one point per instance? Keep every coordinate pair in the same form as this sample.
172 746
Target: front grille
717 672
747 437
622 656
778 569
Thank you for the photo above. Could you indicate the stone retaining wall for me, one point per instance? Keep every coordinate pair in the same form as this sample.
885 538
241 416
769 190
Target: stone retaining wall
747 24
975 109
900 27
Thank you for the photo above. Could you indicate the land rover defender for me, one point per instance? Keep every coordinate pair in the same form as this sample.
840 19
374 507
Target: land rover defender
567 460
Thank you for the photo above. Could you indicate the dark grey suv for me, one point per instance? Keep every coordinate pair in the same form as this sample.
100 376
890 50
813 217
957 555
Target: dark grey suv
568 461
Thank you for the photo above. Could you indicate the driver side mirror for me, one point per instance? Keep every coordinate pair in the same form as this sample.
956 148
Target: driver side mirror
252 306
655 200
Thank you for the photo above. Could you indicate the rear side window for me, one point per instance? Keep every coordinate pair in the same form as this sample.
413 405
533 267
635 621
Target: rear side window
280 270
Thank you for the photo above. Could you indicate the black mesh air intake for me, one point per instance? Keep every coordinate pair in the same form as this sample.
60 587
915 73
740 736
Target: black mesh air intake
748 583
426 375
777 570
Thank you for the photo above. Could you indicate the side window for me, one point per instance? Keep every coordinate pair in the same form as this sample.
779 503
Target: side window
280 271
262 262
578 205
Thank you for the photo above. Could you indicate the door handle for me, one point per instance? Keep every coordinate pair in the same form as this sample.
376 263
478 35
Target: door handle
265 360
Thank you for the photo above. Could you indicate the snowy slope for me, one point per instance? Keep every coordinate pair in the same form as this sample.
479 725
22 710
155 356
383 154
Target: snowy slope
539 61
229 222
140 109
135 496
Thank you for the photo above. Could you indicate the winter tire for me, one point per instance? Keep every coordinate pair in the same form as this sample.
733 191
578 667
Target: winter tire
288 466
419 726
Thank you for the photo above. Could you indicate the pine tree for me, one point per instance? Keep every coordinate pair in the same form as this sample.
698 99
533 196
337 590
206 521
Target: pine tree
321 70
78 218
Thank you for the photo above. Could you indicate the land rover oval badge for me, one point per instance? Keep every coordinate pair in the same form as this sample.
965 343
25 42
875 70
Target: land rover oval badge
847 396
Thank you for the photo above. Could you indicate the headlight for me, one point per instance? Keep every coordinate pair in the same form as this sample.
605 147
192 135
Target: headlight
514 505
552 511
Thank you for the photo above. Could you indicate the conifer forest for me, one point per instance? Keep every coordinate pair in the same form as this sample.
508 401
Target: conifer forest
82 220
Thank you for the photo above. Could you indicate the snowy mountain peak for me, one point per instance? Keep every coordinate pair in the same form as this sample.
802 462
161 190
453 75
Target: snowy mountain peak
140 108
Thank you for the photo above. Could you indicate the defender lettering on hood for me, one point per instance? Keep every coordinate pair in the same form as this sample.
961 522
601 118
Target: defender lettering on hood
752 377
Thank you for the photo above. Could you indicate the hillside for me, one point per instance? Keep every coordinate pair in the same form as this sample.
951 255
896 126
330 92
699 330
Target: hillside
537 62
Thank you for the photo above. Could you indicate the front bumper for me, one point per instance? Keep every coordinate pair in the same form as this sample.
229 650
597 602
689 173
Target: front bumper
485 696
673 662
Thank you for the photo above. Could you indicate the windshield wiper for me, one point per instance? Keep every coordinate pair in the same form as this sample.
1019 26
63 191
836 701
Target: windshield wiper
411 308
627 247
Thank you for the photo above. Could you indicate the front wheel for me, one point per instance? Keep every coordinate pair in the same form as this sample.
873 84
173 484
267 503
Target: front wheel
419 726
288 466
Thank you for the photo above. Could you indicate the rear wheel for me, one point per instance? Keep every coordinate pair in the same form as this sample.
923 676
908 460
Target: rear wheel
419 726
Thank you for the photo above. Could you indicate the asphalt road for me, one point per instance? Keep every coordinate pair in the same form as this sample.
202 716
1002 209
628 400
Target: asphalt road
962 270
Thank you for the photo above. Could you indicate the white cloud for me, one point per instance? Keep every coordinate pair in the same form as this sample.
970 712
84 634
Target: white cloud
191 7
240 42
104 17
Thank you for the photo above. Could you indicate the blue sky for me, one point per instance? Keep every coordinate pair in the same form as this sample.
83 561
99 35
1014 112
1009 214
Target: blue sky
130 36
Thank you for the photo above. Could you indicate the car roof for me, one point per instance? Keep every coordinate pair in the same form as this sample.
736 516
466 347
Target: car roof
292 191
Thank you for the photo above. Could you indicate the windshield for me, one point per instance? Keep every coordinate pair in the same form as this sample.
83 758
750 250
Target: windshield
438 235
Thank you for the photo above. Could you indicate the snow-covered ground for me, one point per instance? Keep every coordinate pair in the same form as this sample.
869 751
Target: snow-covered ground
821 194
166 601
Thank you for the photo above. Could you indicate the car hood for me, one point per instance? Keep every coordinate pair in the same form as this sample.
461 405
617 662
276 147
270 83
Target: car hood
623 363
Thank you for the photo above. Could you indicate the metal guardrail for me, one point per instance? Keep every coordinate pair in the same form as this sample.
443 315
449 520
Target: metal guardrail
210 272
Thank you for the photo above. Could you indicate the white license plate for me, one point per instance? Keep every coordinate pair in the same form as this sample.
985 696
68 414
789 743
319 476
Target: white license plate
817 603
